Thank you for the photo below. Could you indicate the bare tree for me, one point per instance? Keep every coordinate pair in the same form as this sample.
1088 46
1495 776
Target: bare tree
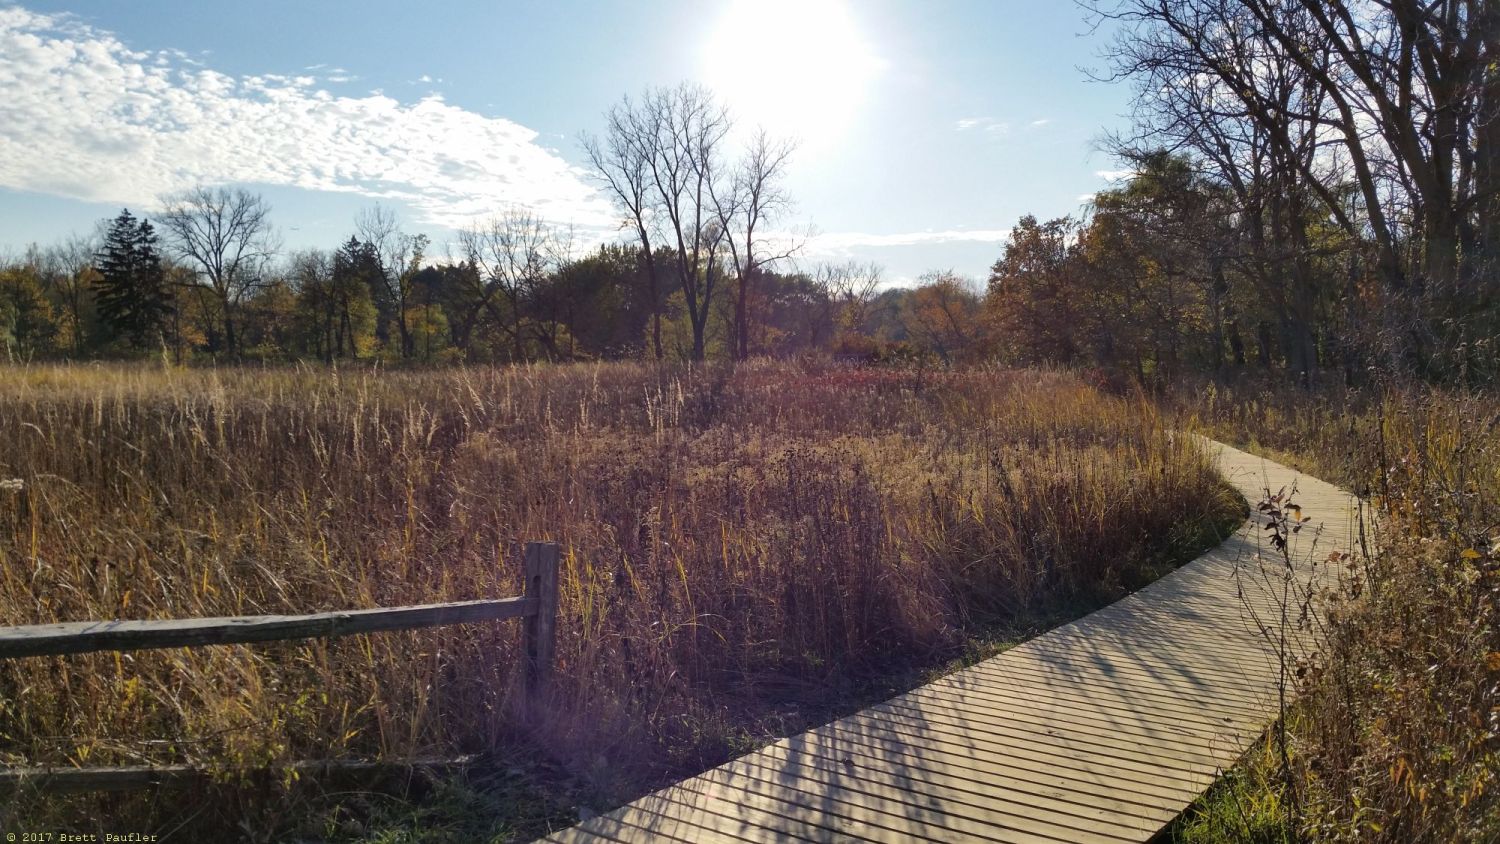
660 162
545 305
753 196
513 254
621 162
311 275
400 259
1383 115
68 268
224 235
687 127
849 289
1415 71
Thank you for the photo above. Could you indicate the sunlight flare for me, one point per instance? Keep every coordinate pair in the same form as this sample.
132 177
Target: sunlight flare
797 67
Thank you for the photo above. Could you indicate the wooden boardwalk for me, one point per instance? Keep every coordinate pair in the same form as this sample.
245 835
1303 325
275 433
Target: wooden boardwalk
1102 730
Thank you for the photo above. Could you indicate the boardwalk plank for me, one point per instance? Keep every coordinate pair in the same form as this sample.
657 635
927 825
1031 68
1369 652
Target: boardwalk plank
1039 786
905 793
1137 721
1105 697
1168 747
998 737
1060 771
1132 687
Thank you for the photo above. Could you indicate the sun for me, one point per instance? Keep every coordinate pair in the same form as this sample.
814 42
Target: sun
799 68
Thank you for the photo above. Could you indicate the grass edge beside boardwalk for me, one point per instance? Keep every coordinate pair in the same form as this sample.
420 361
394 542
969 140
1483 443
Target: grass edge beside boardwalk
1393 735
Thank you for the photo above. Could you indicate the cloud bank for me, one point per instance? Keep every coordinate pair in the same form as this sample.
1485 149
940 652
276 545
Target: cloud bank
838 246
995 128
86 117
844 243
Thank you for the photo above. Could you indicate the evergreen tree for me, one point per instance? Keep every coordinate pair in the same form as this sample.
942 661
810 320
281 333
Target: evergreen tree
356 274
133 299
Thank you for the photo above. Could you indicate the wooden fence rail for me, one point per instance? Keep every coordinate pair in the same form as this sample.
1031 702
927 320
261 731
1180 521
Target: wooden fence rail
87 636
537 609
58 780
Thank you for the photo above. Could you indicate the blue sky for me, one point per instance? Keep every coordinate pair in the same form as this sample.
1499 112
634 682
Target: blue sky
926 128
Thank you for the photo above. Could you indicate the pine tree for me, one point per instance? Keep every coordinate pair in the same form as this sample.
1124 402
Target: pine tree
133 299
154 300
356 272
116 273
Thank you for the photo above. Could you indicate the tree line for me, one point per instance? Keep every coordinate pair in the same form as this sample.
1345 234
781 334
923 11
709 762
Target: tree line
699 274
1316 187
202 279
517 294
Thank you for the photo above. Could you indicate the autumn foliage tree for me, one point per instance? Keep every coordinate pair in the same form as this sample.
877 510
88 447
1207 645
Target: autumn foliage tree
224 235
943 315
1356 154
28 328
1034 294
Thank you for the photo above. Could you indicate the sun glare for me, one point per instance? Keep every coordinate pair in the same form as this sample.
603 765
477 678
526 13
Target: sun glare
797 67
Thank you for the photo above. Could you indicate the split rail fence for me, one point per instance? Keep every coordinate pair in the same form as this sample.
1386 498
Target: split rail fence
537 609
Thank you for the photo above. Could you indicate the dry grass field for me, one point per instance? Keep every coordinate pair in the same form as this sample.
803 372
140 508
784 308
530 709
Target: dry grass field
742 548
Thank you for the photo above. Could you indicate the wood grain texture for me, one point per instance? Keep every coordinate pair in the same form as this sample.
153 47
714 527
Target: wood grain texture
539 637
86 636
1101 730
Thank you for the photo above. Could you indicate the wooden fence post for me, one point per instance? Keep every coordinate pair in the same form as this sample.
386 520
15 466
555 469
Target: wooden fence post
540 628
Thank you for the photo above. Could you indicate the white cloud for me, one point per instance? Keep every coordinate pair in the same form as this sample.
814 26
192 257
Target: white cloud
987 125
843 244
85 116
1113 176
1037 124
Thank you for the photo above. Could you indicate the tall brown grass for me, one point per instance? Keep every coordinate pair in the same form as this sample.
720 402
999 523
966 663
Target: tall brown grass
732 539
1396 737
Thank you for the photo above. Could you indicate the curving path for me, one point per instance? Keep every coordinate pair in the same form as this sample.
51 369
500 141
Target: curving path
1102 730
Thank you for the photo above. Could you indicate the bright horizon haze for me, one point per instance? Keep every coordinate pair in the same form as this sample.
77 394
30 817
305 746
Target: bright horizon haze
924 130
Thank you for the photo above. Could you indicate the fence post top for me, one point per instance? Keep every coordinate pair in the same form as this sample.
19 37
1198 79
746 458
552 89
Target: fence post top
541 555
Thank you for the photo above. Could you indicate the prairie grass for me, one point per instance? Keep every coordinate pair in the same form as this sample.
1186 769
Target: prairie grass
738 544
1396 736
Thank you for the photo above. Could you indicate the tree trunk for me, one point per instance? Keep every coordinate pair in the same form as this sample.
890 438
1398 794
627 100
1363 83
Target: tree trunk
1440 256
1236 344
408 350
231 344
1487 158
1263 343
655 292
742 320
